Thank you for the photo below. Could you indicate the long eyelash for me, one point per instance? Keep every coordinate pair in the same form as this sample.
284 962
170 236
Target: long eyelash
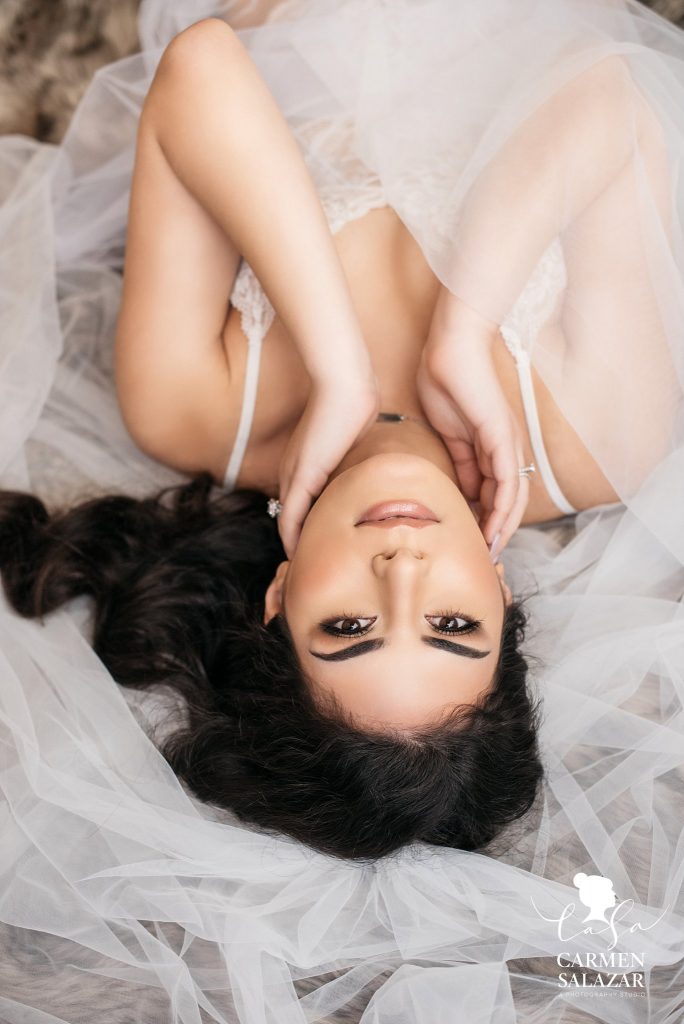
470 627
471 624
328 625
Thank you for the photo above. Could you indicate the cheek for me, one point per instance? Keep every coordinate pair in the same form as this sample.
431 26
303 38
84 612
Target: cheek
321 568
467 563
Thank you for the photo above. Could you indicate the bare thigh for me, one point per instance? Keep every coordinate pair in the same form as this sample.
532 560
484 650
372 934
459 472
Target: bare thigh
178 275
620 374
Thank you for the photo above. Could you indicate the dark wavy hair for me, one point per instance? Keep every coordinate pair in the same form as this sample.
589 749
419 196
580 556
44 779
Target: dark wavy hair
178 582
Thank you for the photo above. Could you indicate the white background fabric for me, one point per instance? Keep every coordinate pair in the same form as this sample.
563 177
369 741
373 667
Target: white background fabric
124 898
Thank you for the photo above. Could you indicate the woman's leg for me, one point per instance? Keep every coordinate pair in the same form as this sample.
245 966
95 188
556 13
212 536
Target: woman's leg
178 274
618 364
218 172
172 375
228 142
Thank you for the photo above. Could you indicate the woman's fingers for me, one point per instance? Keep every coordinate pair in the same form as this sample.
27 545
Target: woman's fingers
468 473
296 506
289 523
505 480
513 521
471 413
335 418
297 501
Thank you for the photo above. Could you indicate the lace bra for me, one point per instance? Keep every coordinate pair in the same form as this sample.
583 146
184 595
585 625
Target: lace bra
350 194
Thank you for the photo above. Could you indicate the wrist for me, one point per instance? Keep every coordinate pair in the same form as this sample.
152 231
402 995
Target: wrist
352 396
354 371
455 318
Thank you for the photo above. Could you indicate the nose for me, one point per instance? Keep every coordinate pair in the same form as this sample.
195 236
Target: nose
398 560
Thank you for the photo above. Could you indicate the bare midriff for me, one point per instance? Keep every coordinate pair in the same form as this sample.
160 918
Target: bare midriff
394 292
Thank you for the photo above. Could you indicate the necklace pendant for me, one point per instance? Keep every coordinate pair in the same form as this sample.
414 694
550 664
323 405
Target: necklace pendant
392 417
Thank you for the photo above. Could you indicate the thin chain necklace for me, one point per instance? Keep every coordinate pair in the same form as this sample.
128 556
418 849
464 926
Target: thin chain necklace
396 417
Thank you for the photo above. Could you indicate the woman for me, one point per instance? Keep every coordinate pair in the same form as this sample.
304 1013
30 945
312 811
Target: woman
179 388
218 173
539 216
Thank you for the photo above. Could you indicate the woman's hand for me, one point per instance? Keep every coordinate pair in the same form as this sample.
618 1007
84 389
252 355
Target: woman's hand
338 413
460 392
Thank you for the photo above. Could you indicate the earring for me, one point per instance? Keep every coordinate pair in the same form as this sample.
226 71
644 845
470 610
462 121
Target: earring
274 507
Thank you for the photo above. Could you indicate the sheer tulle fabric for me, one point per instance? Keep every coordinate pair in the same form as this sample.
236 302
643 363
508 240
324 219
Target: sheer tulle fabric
495 130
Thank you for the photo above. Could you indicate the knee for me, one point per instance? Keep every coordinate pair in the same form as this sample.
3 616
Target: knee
201 60
198 46
608 97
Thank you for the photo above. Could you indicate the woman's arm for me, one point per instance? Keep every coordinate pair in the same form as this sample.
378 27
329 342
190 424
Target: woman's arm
227 141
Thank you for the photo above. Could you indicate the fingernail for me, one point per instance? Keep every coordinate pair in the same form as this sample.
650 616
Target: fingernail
494 548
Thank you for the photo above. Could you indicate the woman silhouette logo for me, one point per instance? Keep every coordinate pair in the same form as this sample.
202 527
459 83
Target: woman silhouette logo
596 893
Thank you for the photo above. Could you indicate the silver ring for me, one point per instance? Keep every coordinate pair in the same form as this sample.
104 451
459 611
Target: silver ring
527 470
274 507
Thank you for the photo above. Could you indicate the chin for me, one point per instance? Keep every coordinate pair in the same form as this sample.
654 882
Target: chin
389 476
397 466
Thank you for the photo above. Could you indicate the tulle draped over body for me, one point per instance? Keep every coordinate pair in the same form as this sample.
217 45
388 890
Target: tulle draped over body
496 131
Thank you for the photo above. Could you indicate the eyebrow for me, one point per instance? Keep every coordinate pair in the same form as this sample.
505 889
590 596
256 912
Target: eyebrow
365 646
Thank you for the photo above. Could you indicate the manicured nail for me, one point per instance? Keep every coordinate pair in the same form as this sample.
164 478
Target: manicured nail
494 548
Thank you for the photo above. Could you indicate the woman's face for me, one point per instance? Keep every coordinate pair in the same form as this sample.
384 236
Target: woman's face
392 590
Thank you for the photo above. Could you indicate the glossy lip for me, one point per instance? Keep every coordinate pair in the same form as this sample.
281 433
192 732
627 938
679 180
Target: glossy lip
398 512
395 521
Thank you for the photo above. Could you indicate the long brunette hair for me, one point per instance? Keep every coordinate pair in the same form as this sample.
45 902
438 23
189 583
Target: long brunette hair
178 582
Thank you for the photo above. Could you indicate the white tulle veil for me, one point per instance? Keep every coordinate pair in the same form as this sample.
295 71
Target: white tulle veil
123 897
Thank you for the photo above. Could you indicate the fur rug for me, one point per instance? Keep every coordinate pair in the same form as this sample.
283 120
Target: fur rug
49 51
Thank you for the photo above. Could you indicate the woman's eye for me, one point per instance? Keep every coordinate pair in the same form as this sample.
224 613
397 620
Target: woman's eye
452 622
348 625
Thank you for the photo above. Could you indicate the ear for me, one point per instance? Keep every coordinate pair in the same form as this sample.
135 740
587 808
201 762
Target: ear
274 595
508 597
